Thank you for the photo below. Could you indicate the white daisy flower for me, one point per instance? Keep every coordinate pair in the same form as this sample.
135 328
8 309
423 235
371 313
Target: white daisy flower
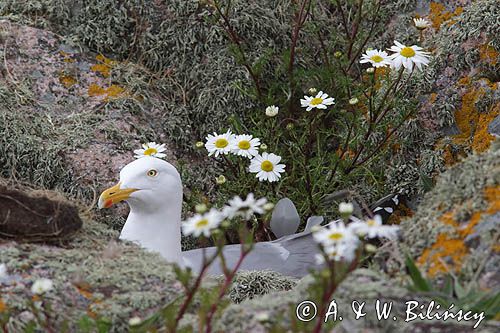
202 223
376 58
245 209
219 143
266 166
408 56
334 234
245 145
342 251
321 101
41 286
421 24
373 227
151 149
272 111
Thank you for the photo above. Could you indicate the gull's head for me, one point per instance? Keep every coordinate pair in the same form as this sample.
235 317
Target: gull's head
147 183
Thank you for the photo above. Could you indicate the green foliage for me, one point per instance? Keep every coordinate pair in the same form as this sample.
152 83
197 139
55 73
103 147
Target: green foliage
451 291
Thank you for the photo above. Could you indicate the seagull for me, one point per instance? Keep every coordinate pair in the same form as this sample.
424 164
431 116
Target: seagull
152 188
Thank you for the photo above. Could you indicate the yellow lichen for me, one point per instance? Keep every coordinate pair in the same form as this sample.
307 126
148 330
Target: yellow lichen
439 15
95 90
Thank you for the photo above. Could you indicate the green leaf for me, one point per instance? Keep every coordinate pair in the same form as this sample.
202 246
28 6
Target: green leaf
419 282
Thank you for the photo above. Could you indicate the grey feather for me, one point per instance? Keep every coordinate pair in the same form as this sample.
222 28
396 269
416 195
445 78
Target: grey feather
292 255
285 219
313 221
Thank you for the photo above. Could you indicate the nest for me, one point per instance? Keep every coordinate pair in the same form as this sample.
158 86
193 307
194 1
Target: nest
36 216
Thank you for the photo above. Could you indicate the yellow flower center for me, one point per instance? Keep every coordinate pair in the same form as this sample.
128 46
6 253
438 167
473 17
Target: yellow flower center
316 101
407 52
376 58
221 143
150 151
267 166
244 144
202 223
335 236
371 222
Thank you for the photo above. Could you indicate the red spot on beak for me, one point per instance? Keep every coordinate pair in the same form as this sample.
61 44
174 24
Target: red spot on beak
108 203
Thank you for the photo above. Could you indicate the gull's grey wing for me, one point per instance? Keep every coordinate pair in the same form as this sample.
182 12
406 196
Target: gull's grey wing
292 255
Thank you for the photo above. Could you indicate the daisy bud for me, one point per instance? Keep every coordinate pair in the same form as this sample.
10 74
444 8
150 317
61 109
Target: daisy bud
199 144
268 206
421 24
312 91
346 209
200 208
134 321
263 146
370 248
41 286
370 70
337 54
262 316
290 126
3 271
272 111
353 101
220 180
225 224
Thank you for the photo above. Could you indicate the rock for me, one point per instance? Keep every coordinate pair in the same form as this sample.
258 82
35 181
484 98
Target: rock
494 126
36 217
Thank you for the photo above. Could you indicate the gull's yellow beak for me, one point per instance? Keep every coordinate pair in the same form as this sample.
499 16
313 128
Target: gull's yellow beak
114 195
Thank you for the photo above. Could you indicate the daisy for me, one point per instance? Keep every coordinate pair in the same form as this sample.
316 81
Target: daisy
202 223
341 252
151 149
376 58
245 145
245 209
272 111
421 24
373 227
346 208
267 167
219 143
41 286
408 56
320 101
334 234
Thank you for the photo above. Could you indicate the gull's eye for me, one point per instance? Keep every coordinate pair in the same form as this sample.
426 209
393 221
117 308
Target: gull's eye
152 173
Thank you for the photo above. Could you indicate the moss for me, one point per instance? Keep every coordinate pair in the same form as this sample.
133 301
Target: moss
248 285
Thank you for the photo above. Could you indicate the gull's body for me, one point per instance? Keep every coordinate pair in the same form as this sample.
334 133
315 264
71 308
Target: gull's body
153 190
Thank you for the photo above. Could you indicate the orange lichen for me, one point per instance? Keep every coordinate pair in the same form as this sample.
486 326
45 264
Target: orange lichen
67 57
3 306
104 67
444 247
449 250
112 92
472 124
492 195
439 15
488 54
95 90
67 80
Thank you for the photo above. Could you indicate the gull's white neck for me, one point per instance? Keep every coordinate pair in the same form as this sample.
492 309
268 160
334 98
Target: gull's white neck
158 231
